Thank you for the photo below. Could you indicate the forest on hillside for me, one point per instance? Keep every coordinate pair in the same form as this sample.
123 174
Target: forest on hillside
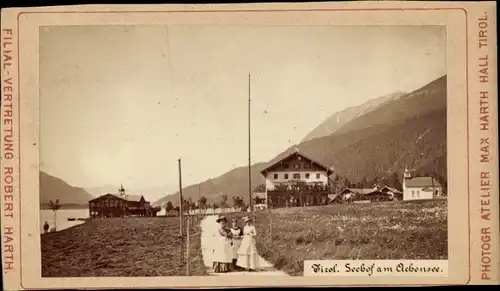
418 143
409 131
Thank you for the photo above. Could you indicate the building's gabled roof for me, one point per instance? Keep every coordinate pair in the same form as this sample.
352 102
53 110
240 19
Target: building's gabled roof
332 197
133 198
393 190
329 170
361 191
421 182
108 194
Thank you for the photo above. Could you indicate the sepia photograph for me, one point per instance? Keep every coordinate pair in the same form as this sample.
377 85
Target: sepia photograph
219 150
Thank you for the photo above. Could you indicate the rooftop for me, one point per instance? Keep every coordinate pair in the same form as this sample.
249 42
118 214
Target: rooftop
421 182
301 155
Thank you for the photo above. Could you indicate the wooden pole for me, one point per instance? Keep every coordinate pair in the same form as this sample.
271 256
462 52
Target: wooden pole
249 152
188 253
181 201
199 199
181 214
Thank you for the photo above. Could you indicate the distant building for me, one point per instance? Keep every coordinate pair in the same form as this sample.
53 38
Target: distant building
393 193
334 199
260 200
364 194
420 188
296 180
119 205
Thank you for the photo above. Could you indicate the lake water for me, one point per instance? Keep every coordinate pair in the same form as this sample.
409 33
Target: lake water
62 217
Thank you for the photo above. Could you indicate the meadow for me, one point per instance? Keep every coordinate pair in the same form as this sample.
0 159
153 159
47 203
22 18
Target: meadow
374 231
120 247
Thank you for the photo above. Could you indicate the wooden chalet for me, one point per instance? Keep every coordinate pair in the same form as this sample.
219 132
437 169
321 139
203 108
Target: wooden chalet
364 194
120 205
297 181
393 193
334 199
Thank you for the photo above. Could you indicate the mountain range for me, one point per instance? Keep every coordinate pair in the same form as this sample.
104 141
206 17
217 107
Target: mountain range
366 142
52 188
337 120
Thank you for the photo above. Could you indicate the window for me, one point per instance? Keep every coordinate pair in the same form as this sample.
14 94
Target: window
286 176
296 176
412 193
317 175
307 175
285 166
418 193
296 166
275 176
307 166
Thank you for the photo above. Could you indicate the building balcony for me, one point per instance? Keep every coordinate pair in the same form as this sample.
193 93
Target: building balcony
299 187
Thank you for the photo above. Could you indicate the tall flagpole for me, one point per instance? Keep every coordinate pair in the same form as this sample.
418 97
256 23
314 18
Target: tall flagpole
181 201
249 154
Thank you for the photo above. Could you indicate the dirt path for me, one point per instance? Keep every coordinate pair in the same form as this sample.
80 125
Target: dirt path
209 228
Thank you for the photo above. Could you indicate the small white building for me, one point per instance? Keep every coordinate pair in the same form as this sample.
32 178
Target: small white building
420 188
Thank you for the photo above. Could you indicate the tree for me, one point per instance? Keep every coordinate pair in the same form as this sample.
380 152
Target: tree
169 207
214 206
202 203
347 183
177 209
260 188
237 202
364 183
223 202
394 181
443 182
185 206
54 206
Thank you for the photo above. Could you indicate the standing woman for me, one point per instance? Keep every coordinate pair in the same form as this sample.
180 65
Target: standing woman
248 257
223 255
237 233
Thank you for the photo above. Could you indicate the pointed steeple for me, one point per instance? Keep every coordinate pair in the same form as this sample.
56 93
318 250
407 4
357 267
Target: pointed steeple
121 191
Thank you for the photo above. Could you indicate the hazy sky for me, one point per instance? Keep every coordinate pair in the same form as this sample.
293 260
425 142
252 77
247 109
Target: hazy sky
120 104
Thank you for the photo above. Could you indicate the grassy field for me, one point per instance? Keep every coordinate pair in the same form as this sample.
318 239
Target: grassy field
393 230
142 246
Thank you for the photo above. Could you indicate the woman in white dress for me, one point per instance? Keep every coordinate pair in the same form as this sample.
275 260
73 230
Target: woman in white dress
223 255
248 257
237 233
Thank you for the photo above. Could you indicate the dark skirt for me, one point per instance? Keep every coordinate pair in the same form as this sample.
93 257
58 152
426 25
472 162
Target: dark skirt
222 267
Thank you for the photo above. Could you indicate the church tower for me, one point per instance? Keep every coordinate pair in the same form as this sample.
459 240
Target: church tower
121 191
406 175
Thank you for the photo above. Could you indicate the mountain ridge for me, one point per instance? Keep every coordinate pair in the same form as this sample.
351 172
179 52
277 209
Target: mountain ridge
340 118
367 146
52 188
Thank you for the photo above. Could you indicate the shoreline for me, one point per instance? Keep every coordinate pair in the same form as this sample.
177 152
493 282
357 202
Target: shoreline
71 227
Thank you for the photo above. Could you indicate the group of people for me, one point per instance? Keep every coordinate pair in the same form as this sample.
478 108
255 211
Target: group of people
235 247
